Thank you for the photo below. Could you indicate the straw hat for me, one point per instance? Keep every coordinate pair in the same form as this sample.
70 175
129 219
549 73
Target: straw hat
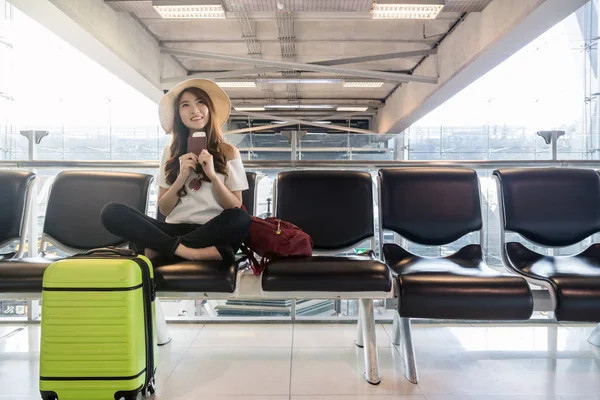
167 110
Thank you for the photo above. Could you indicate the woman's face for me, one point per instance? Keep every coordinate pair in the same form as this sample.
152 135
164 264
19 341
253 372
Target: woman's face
193 112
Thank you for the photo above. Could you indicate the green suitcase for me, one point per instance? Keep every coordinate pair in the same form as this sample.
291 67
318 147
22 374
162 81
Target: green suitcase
98 339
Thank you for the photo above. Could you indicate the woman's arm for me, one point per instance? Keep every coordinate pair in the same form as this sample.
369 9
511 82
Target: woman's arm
169 197
225 197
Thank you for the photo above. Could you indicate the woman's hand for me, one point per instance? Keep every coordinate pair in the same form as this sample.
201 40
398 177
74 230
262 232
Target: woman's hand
208 166
187 163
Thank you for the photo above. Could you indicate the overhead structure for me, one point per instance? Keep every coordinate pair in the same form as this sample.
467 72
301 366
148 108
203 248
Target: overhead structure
503 28
374 66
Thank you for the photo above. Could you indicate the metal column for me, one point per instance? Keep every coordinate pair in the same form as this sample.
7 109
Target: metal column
34 138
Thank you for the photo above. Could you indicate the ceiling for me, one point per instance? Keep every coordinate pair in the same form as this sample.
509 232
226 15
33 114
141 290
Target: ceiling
301 32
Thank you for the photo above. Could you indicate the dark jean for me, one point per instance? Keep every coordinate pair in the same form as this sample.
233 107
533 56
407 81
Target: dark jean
226 231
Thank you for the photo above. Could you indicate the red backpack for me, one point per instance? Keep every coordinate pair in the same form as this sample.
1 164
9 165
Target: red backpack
271 238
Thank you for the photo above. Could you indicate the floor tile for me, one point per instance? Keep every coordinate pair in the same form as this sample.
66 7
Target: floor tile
495 362
20 377
8 329
184 335
567 376
25 339
499 341
479 377
221 371
363 397
203 396
489 397
169 357
244 335
579 397
340 371
330 335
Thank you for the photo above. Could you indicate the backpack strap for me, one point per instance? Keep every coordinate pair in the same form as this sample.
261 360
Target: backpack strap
254 264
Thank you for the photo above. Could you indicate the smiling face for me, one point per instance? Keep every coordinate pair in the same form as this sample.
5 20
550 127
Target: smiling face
193 112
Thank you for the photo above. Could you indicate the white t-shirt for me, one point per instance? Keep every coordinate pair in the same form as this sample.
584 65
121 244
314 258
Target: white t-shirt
200 206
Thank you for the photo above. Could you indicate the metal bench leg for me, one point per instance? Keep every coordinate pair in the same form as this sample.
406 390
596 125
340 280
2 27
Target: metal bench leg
408 352
163 336
367 316
359 342
396 336
594 338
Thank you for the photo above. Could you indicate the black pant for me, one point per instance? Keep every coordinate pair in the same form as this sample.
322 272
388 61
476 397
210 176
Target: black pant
226 231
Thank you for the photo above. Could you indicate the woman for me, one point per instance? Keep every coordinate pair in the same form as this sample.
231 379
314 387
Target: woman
200 195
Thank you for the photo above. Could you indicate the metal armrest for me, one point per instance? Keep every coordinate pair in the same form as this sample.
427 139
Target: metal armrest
8 256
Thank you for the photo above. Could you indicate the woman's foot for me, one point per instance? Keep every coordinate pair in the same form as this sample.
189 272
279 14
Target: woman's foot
151 253
207 253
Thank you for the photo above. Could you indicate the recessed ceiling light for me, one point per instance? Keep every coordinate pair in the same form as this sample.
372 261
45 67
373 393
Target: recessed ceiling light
299 106
362 84
248 108
407 9
300 80
352 109
184 9
238 84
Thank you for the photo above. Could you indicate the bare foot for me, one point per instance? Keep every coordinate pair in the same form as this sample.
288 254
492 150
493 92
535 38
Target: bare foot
151 253
207 253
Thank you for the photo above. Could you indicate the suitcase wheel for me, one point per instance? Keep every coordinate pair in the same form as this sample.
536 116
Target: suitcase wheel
150 389
49 396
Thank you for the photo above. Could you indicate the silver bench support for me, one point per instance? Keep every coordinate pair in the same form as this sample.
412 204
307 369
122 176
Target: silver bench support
367 321
163 336
396 329
359 342
401 336
594 338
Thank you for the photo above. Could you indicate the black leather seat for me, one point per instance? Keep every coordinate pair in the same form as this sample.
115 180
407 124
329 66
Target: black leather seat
73 221
555 207
249 196
77 198
434 207
178 275
336 209
25 275
325 273
14 186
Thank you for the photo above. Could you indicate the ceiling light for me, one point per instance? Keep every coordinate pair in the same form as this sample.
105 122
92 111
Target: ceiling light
249 108
363 84
299 106
352 109
322 122
279 122
194 9
300 80
407 9
237 84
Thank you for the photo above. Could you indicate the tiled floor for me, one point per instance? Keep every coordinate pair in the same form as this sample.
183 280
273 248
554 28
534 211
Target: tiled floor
304 362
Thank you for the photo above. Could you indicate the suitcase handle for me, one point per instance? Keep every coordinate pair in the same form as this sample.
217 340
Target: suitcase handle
108 251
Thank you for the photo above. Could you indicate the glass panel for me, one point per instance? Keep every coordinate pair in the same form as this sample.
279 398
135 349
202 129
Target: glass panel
496 118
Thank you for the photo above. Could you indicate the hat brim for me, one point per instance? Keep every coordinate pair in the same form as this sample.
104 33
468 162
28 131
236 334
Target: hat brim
220 99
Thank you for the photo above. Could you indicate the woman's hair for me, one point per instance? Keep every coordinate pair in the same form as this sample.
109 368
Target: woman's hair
181 133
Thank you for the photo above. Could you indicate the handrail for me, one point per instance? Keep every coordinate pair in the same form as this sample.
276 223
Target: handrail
279 164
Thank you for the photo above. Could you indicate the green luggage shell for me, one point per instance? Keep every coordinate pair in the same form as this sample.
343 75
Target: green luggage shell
95 327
